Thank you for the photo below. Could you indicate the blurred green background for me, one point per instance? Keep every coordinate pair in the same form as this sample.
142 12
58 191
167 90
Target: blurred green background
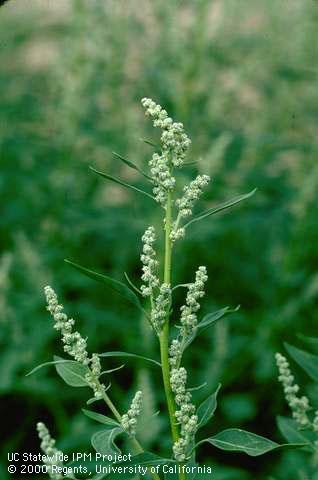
242 77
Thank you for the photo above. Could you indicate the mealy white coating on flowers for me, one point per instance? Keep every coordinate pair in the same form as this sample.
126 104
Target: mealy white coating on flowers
176 232
150 264
298 405
192 192
175 144
173 138
185 413
175 353
130 419
188 318
74 344
93 375
161 307
52 453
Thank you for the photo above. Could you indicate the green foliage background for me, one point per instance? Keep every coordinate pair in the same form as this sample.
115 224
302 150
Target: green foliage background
242 77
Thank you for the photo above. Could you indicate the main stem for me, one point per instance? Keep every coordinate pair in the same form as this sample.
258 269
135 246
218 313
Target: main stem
164 335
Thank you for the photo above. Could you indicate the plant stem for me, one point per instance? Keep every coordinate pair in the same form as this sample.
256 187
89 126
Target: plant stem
164 335
133 440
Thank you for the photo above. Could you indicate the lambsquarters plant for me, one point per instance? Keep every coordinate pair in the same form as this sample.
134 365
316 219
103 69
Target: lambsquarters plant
156 291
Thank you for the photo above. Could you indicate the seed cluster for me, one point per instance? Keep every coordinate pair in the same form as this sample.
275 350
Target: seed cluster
192 192
185 415
188 318
175 144
150 264
74 344
160 309
298 405
48 448
129 420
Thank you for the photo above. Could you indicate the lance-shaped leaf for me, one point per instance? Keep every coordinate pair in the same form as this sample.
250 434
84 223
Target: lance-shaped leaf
219 208
104 441
207 321
98 417
120 182
290 430
131 164
305 360
127 354
119 287
207 408
236 440
149 142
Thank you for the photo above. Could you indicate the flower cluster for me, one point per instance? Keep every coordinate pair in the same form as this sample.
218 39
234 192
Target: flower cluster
185 415
175 144
175 353
52 453
188 318
148 259
162 177
192 192
93 375
161 307
176 232
298 405
74 344
129 419
173 138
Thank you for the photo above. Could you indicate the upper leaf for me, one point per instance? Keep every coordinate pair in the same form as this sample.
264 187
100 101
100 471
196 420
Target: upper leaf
131 165
207 408
127 354
219 208
124 184
103 441
208 320
115 285
236 440
98 417
305 360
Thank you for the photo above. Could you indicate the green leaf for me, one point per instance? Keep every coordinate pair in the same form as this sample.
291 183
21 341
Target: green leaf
146 458
124 184
149 142
219 208
207 408
305 360
98 417
115 285
46 364
236 440
208 320
72 372
289 429
103 441
131 165
312 342
126 354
